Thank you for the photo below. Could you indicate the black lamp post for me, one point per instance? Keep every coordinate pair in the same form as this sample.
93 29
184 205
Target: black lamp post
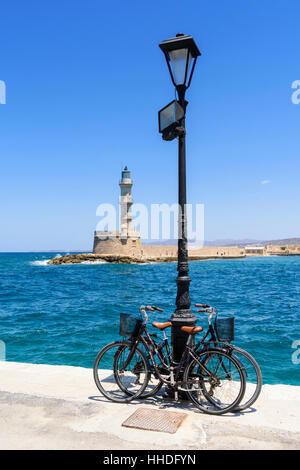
181 55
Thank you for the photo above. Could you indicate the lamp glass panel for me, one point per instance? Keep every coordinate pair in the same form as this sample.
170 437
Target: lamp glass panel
178 60
167 116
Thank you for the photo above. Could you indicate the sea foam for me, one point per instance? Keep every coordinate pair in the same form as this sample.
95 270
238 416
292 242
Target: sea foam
43 262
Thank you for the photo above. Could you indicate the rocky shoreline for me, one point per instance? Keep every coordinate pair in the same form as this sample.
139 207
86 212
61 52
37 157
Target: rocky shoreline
122 259
91 257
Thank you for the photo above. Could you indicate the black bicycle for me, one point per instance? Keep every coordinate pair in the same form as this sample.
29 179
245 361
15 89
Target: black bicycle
220 333
213 379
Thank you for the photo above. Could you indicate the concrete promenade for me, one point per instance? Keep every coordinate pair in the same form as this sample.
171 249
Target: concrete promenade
59 407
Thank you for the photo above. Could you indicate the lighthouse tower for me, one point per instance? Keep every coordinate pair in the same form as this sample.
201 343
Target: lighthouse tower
126 228
127 240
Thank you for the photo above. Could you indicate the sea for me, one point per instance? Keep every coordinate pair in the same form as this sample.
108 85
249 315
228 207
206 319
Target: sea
64 314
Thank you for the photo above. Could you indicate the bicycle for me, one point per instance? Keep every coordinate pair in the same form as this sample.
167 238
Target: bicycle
213 380
222 333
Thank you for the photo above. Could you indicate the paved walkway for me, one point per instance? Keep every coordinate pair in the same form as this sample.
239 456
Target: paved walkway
59 407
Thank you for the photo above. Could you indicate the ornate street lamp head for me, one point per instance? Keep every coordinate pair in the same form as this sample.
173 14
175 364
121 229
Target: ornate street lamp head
181 54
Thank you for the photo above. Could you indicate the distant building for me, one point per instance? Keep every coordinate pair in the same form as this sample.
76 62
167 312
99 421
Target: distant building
255 250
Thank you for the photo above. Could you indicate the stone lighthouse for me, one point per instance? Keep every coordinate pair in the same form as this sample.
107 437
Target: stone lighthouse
126 229
125 241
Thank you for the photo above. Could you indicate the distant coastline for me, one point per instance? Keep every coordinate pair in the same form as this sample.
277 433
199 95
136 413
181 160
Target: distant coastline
172 242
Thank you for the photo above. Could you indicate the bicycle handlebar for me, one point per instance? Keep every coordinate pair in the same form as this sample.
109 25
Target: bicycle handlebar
207 309
143 309
158 309
151 309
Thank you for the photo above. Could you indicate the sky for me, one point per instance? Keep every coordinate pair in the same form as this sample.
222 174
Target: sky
84 82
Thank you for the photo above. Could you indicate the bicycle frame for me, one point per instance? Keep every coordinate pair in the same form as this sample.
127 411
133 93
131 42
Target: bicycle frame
172 367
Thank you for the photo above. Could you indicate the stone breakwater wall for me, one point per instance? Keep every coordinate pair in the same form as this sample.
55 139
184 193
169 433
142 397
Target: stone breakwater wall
283 250
217 252
150 251
148 254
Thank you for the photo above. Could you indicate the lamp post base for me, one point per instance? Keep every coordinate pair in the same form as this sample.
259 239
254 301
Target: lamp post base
183 317
179 338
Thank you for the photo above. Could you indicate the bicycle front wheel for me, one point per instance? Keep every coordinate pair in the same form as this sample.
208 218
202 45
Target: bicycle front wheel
252 375
153 385
214 381
112 378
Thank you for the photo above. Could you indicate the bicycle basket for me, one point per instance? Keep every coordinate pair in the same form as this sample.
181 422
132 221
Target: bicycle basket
130 325
224 328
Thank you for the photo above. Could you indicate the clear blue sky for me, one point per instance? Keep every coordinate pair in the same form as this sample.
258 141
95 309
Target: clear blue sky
84 83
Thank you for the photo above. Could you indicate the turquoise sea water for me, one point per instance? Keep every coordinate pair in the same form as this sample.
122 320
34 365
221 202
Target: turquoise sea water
65 314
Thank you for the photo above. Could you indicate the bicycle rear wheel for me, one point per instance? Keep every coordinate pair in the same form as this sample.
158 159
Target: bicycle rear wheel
110 377
214 381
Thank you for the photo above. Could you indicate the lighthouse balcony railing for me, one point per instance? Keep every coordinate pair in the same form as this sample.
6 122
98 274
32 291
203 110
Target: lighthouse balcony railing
126 181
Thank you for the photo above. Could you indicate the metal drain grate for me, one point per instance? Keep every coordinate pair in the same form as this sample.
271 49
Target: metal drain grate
155 420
